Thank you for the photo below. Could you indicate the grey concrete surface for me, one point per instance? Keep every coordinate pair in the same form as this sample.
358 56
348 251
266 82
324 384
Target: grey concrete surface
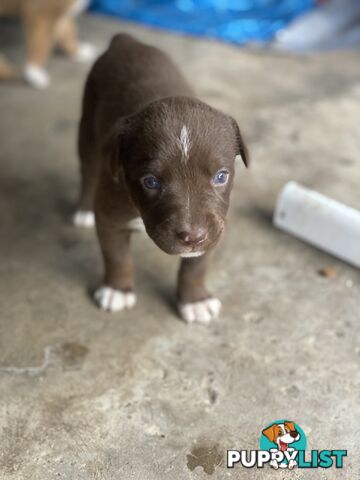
141 395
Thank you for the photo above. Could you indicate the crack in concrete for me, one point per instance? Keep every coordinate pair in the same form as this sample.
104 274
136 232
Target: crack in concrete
31 371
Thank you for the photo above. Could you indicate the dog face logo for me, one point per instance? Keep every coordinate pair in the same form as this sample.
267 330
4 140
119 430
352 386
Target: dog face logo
283 439
282 434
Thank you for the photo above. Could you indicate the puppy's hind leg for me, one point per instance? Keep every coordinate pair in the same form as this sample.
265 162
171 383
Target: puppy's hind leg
89 162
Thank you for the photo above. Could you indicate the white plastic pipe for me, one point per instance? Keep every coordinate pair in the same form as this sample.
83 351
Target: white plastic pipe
319 220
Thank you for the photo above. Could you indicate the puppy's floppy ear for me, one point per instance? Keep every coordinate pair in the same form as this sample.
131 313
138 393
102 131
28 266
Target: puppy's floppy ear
270 432
290 425
116 146
242 149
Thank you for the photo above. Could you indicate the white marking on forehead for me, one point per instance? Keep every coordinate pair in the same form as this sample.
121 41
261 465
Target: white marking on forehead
282 426
185 143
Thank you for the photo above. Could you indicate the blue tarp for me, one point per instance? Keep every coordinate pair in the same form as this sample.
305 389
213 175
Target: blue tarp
235 21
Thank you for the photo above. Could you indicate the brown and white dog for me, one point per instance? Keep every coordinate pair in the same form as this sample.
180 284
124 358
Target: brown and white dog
282 435
153 154
46 23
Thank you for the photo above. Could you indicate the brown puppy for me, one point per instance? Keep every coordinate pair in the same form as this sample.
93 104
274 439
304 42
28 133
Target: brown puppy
46 22
149 149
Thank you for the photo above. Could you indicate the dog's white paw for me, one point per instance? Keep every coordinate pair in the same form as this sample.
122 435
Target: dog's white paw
84 219
36 76
292 464
274 464
85 53
201 312
114 300
136 224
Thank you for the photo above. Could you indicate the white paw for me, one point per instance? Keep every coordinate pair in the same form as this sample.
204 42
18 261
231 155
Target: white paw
114 300
202 312
274 464
86 53
292 464
84 219
36 76
136 224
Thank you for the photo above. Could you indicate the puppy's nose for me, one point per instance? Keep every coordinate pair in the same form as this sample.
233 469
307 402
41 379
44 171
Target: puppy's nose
193 237
294 433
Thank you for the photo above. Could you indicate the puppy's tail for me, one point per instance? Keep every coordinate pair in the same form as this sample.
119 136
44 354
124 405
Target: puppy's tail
7 71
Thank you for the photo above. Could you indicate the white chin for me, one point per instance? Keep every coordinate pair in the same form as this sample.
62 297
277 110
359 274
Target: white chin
191 254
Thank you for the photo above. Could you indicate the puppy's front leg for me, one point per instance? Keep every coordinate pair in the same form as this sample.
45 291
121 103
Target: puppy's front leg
194 301
117 292
67 39
38 30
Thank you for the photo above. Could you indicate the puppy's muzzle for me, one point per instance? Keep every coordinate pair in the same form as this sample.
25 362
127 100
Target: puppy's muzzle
193 237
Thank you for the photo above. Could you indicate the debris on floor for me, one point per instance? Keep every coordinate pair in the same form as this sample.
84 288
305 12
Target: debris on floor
327 272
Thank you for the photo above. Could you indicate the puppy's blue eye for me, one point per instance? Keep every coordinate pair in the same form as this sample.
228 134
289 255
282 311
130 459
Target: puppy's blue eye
151 182
221 177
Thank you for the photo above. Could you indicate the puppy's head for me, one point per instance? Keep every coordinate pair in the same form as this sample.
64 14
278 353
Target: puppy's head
177 157
282 434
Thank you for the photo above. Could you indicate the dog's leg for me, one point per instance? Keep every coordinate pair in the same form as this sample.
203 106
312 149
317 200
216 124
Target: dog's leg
39 39
117 292
194 302
67 38
89 162
7 70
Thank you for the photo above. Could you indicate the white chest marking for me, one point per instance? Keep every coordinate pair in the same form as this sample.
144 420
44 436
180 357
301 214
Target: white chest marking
191 254
185 142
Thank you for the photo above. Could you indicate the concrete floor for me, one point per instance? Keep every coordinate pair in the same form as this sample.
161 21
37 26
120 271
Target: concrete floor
141 395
